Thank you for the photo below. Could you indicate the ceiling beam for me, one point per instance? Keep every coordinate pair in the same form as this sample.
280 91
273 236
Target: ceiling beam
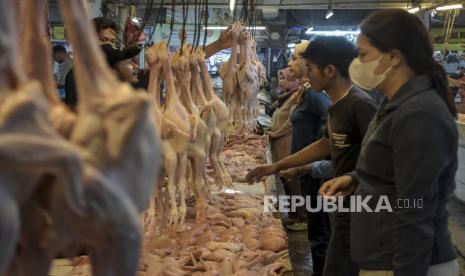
296 4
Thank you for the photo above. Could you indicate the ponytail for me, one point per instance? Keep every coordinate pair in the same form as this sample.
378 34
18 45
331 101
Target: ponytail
439 78
401 30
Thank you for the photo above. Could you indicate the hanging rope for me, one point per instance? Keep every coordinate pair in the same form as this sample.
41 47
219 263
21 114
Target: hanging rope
195 25
234 12
253 6
185 9
206 15
199 26
147 13
157 19
173 10
243 17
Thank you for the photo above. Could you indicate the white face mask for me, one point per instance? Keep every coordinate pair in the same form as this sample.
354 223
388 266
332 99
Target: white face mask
363 75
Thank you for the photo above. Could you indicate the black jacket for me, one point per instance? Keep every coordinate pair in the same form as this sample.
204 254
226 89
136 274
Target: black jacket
409 154
70 90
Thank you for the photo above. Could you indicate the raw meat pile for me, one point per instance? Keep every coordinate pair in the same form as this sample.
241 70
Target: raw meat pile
69 180
243 75
236 238
242 153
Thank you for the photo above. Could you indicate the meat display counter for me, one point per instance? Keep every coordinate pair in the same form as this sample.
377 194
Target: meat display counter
237 237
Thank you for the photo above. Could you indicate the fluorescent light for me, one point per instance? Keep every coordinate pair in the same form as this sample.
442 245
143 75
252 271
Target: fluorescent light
414 10
333 33
310 29
329 13
257 28
450 7
291 45
225 27
232 3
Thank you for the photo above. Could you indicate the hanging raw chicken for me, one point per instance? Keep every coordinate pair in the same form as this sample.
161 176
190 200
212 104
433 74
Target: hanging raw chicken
243 75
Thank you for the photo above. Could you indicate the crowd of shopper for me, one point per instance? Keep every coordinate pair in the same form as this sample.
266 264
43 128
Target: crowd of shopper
405 149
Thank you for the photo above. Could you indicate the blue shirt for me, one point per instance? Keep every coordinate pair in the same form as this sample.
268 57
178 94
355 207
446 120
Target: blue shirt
308 119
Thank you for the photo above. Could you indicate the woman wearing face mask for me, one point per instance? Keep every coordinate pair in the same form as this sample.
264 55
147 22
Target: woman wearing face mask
281 133
409 153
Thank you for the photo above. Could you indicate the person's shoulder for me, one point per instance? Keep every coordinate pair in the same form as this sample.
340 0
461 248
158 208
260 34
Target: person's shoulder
319 96
358 96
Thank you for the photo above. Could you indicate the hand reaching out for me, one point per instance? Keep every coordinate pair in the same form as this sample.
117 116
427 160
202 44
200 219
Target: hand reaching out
339 186
257 174
290 173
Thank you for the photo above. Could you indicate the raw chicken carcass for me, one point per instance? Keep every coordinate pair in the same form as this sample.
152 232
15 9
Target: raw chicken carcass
247 78
176 131
242 75
222 121
31 151
228 70
37 55
197 147
261 68
119 148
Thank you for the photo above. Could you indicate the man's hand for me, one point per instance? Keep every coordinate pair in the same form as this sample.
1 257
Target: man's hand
259 172
226 38
339 186
271 134
290 173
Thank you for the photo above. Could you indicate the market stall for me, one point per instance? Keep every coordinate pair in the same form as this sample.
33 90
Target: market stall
145 172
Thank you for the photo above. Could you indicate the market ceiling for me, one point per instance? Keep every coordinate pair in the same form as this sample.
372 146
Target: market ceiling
297 4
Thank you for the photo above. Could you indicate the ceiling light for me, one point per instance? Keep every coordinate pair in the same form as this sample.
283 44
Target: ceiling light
450 7
414 10
232 3
225 27
329 13
333 33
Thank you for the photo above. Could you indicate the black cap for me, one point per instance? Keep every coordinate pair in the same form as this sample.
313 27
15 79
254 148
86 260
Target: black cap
114 56
59 48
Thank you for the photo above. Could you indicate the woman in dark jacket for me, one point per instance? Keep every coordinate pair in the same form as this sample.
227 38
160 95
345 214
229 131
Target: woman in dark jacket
408 156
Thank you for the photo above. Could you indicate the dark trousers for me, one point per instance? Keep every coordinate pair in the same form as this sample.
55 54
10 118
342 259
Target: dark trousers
319 231
292 187
338 260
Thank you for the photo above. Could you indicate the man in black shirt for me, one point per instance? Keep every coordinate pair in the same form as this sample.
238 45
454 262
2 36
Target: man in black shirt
351 110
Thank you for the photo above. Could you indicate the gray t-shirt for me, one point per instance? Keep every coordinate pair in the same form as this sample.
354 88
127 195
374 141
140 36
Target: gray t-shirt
63 70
